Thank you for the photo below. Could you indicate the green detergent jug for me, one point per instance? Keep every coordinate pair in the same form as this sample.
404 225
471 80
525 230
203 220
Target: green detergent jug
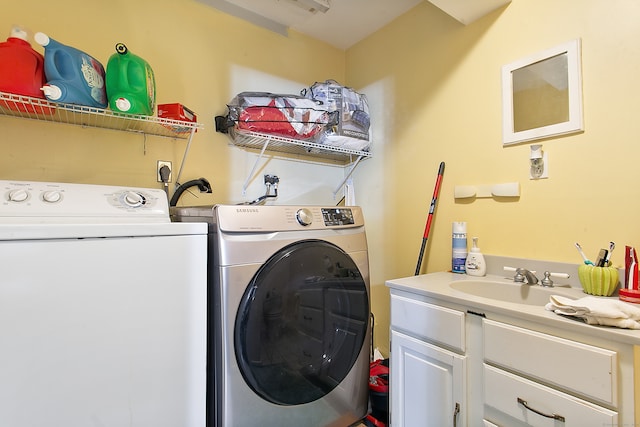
131 85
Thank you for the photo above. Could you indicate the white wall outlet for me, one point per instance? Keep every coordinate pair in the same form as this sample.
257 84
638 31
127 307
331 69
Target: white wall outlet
162 163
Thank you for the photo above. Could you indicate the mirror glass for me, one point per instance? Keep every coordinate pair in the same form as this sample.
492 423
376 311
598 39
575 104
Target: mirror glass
542 95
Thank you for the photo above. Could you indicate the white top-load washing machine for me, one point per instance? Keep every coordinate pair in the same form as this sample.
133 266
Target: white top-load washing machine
102 308
289 315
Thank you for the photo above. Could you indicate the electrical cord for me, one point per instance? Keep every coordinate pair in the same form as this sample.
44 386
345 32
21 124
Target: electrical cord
165 173
269 181
267 195
373 350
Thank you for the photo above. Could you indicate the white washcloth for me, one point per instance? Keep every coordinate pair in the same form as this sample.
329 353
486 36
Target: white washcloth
597 311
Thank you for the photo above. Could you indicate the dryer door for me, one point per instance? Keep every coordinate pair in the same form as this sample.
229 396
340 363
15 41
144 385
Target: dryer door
302 323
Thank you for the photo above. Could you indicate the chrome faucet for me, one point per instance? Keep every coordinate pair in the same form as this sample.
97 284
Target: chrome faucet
525 276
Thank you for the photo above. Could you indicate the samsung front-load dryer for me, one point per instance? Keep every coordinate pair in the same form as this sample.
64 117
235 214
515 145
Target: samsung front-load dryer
288 316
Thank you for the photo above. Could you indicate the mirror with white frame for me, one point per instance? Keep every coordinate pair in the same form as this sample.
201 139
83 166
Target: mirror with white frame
542 95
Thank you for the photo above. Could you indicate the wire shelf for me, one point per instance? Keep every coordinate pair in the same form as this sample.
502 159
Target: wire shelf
80 115
261 141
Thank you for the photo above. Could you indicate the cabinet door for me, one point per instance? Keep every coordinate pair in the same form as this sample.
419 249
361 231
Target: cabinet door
428 384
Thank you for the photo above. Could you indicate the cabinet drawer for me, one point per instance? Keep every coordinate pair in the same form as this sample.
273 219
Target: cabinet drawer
584 369
501 406
430 322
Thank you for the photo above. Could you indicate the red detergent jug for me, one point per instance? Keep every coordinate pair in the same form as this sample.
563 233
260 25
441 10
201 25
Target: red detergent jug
21 72
21 67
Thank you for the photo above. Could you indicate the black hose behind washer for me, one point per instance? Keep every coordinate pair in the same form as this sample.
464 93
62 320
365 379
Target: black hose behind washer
202 184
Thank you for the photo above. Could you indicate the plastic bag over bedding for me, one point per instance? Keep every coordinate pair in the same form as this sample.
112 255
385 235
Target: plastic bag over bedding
289 116
353 129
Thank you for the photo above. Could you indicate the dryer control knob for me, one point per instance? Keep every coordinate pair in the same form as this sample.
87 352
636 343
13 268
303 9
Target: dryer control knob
133 199
304 217
51 196
19 195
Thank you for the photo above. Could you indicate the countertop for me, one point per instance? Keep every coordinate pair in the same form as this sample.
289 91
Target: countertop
436 286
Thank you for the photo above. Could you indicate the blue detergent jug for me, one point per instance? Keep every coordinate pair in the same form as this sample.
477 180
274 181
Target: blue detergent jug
73 76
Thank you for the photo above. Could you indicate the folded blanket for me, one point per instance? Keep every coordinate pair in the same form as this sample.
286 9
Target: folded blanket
597 311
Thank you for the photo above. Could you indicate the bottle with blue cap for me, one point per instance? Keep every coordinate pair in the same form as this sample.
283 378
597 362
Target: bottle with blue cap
459 247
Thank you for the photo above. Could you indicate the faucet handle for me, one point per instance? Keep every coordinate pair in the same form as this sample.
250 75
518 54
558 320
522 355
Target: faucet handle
547 278
560 275
546 281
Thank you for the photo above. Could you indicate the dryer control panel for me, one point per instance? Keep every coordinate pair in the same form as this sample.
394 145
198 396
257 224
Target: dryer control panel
240 218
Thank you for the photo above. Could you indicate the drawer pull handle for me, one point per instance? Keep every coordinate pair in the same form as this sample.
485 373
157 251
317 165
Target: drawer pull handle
456 411
526 405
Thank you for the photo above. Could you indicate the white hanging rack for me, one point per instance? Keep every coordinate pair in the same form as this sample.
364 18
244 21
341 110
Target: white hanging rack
80 115
262 142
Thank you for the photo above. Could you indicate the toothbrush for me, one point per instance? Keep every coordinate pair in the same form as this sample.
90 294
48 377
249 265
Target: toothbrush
584 257
612 246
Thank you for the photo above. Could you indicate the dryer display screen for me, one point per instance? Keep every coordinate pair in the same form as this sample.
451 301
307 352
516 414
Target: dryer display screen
337 216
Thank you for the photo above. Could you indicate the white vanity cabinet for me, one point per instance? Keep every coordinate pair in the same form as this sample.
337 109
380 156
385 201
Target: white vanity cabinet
428 364
502 366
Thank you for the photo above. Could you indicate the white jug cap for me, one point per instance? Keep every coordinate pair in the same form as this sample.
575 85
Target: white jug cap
52 92
18 33
123 104
42 39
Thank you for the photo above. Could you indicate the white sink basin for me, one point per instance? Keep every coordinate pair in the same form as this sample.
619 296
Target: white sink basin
518 293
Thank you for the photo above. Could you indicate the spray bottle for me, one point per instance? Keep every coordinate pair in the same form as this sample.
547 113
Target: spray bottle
459 247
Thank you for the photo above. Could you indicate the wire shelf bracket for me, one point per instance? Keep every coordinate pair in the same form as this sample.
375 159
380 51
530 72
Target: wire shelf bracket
262 142
26 107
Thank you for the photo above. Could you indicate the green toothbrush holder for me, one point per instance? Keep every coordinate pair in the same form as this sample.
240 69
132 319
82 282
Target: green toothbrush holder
599 281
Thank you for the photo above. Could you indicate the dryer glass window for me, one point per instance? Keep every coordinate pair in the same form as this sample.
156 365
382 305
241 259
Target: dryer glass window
301 323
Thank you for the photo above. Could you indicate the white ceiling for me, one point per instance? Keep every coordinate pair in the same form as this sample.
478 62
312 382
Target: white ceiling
344 24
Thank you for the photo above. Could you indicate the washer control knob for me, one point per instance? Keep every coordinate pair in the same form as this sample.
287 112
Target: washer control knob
51 196
133 199
304 217
19 195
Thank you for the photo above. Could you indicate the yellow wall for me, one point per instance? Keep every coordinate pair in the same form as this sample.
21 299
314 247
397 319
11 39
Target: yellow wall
441 88
441 83
434 91
194 51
